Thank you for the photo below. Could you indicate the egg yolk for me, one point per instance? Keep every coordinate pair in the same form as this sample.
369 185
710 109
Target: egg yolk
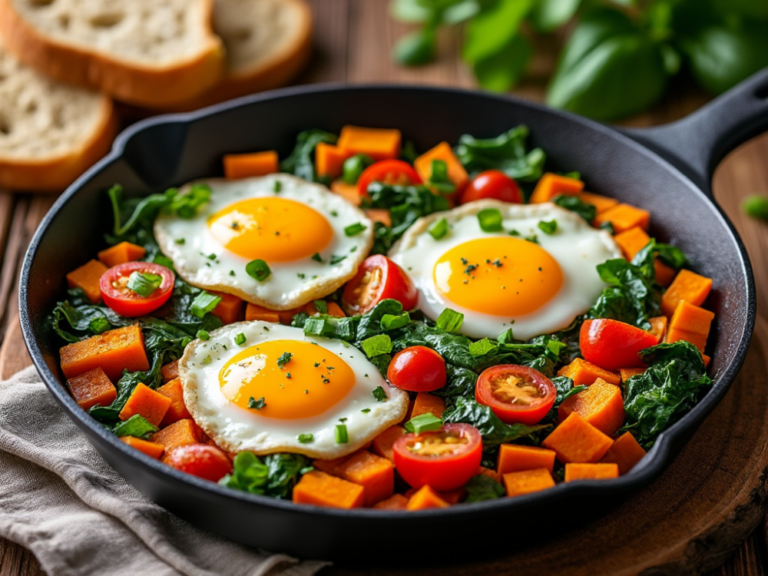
271 229
498 276
286 379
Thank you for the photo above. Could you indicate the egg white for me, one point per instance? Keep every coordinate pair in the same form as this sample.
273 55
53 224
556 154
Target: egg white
235 429
576 246
202 261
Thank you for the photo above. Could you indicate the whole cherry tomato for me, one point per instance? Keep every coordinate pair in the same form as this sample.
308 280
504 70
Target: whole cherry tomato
395 172
612 344
417 369
200 460
377 279
492 184
444 459
126 302
516 394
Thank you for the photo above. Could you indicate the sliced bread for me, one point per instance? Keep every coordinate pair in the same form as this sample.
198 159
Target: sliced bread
49 132
267 44
145 52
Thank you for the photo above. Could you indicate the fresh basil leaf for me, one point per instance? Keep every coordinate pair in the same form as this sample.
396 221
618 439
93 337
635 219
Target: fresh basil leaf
507 152
322 306
632 295
547 15
493 28
482 347
377 345
393 322
450 321
144 283
503 70
275 476
417 48
576 204
670 255
136 425
481 488
301 160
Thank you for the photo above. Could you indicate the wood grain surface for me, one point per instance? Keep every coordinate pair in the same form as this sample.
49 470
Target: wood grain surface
352 43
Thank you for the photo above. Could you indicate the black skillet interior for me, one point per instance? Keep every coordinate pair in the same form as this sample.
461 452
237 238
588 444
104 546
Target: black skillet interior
166 151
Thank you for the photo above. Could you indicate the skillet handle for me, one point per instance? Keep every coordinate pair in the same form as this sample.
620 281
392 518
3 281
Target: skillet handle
697 143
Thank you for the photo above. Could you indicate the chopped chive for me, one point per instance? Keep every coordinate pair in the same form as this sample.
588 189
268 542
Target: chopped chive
204 303
231 272
336 259
277 186
439 178
240 339
322 306
180 241
258 270
548 227
341 434
203 335
354 229
424 423
317 258
438 229
207 360
490 220
301 275
365 410
305 438
379 394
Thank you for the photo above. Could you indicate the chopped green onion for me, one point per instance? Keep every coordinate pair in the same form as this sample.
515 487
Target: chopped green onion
354 166
379 394
438 229
322 306
532 238
317 258
336 259
392 322
365 410
285 357
204 303
277 186
240 339
450 321
424 423
341 434
180 241
377 345
203 335
144 283
514 233
305 438
163 261
257 404
319 327
207 360
258 270
490 220
549 227
354 229
439 178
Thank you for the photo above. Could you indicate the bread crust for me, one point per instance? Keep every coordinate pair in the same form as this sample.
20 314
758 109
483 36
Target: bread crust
54 173
131 82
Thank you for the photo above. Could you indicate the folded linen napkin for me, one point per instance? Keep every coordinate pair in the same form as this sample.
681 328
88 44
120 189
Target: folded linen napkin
59 498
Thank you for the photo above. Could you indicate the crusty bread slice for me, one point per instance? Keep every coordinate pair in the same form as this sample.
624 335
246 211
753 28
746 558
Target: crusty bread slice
145 52
49 132
267 44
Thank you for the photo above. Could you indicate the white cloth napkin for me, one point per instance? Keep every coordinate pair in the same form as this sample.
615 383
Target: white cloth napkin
59 498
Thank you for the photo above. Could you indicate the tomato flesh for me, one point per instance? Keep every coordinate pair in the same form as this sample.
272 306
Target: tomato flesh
417 369
492 184
377 279
118 297
396 172
612 344
444 459
201 460
516 394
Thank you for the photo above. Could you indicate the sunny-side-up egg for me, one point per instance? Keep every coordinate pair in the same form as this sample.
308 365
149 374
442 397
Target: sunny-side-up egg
311 239
501 280
282 391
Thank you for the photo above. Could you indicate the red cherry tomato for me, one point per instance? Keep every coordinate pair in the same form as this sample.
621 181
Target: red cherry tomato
201 460
492 184
377 279
516 394
612 344
387 171
417 369
116 295
444 459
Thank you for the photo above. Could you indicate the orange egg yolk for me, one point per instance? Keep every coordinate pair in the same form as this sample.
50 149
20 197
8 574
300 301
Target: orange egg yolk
295 379
498 276
271 229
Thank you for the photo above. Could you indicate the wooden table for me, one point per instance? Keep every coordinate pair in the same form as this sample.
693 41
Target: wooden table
353 40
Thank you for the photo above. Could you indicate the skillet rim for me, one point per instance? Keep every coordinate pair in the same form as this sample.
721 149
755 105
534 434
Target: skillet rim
659 456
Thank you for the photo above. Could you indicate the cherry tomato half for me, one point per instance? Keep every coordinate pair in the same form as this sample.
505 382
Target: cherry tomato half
492 184
444 459
417 369
612 344
390 172
516 394
200 460
116 295
377 279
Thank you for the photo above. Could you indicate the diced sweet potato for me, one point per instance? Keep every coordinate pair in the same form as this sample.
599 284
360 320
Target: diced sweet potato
378 143
687 286
698 340
177 410
514 458
329 160
627 373
427 403
347 191
87 277
576 440
382 444
658 326
230 309
147 403
583 372
330 466
443 151
601 405
256 312
624 217
425 498
248 165
691 318
179 433
483 471
121 253
625 452
379 215
632 241
321 489
170 371
92 388
602 203
664 274
452 496
151 449
551 185
598 471
527 481
394 502
113 351
374 473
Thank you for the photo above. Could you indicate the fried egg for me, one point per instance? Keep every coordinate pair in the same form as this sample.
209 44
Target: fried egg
502 280
312 240
274 389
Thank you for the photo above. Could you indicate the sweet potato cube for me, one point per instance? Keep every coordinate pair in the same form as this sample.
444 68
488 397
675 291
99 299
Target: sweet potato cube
248 165
330 466
394 502
691 318
624 217
601 405
527 481
230 308
551 185
179 433
147 403
515 458
151 449
170 371
321 489
483 471
378 143
698 340
425 498
382 444
443 151
452 496
256 312
664 274
427 403
627 373
329 160
625 452
379 215
598 471
92 388
583 372
632 241
113 351
687 286
121 253
602 203
658 326
87 277
347 191
374 473
576 440
177 410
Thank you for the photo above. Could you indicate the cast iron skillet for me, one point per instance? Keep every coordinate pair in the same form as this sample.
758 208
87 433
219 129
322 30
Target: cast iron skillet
666 170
